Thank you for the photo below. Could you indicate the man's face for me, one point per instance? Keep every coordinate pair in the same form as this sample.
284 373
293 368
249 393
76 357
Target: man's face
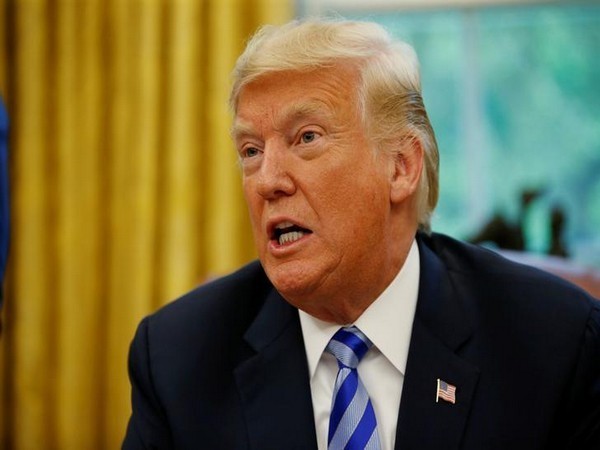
319 199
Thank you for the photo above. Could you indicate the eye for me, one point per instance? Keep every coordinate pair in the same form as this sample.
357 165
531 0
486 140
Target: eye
249 152
308 136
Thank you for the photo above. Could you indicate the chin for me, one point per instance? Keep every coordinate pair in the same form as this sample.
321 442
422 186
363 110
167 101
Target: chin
292 280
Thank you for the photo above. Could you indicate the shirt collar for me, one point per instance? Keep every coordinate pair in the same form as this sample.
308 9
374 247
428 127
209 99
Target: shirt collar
387 321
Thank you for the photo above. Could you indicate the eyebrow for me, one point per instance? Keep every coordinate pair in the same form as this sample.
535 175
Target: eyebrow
290 113
305 108
240 129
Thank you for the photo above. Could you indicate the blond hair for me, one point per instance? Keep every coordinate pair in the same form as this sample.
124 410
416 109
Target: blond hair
389 91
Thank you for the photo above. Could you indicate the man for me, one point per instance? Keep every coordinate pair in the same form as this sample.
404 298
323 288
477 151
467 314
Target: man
458 348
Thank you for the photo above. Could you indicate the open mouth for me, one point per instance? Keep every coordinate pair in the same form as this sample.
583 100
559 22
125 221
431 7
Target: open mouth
287 232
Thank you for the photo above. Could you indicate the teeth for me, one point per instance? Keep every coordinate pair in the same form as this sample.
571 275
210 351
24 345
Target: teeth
291 236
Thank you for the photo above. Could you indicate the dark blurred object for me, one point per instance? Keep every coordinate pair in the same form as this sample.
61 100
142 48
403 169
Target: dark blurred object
557 225
510 242
502 232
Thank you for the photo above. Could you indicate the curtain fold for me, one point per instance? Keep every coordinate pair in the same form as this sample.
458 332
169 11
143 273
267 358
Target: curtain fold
125 194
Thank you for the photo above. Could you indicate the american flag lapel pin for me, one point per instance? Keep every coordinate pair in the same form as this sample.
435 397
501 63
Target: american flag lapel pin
445 391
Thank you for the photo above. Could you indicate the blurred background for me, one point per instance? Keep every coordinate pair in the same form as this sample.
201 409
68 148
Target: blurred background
125 191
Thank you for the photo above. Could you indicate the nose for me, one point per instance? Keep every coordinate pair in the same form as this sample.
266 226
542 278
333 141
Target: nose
275 177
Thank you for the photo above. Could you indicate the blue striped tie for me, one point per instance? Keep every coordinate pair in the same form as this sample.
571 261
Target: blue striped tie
352 424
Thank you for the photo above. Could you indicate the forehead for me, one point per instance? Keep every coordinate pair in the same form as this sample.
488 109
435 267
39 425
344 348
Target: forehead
326 92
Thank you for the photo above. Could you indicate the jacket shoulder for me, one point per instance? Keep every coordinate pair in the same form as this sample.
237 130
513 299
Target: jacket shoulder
482 264
227 303
495 287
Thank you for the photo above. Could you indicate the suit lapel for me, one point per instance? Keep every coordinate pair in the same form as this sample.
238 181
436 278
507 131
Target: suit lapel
274 384
439 330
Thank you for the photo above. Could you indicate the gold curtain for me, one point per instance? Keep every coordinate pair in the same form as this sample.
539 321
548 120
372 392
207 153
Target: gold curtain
125 194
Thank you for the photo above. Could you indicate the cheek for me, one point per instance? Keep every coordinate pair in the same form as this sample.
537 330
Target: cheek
254 205
357 191
356 211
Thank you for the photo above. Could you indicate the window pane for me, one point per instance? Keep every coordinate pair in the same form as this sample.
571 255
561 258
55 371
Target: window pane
514 97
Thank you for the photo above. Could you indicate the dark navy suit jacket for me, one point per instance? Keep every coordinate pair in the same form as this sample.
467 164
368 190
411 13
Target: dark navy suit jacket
225 367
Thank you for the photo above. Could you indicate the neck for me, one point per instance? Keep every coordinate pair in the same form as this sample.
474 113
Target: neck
348 303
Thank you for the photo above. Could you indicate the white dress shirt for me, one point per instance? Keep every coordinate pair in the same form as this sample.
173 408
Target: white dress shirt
387 322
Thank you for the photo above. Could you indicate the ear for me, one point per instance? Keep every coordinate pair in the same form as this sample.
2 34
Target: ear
408 165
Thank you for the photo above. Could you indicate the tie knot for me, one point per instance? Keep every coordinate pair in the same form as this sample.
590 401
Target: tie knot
349 345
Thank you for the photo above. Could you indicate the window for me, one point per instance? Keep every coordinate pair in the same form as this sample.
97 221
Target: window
513 93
